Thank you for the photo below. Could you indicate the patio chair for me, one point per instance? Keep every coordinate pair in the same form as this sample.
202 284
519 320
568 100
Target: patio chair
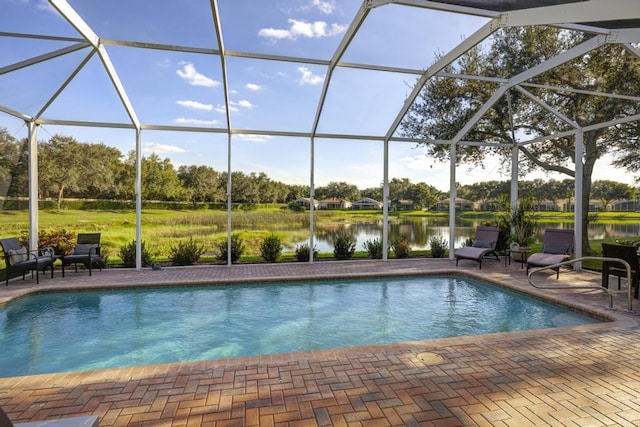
86 251
557 246
484 245
626 253
19 259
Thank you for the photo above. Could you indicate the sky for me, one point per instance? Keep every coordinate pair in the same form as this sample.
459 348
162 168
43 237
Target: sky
171 88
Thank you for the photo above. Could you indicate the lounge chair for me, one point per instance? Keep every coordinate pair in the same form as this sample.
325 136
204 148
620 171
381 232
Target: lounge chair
484 245
557 246
86 251
624 252
18 258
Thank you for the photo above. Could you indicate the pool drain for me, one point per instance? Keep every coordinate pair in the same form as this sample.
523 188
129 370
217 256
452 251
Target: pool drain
430 358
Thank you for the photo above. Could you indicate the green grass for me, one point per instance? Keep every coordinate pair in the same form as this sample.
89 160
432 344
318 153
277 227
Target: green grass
162 229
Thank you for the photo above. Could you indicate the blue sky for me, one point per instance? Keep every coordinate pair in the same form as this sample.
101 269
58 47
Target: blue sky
185 89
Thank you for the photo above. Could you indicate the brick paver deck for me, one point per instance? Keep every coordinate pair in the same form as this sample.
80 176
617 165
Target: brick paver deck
572 376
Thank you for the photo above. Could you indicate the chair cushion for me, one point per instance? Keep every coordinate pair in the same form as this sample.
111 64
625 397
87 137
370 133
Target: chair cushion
556 249
84 248
18 255
483 244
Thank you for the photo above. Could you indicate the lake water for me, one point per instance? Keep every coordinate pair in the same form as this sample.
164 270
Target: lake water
418 231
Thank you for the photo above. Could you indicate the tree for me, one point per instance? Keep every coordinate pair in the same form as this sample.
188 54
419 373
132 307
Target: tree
160 180
399 188
445 105
374 193
423 195
608 191
101 168
10 161
58 166
340 190
203 184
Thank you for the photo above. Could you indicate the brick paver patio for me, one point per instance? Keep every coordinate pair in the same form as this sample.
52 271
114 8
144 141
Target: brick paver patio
573 376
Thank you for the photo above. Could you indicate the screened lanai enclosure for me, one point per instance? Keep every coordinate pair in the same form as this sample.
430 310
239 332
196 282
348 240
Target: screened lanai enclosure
309 90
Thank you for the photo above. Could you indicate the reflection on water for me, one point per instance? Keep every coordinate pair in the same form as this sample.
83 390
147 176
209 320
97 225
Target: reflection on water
418 231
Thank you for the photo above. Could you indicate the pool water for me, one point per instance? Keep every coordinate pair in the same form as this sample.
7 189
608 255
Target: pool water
74 331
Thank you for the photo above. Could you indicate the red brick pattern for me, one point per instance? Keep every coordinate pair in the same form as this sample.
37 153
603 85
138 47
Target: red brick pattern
576 376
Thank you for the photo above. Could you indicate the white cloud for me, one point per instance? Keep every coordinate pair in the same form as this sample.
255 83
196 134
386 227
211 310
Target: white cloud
185 121
253 138
220 108
243 103
324 6
308 78
45 5
298 28
157 148
252 86
193 77
195 105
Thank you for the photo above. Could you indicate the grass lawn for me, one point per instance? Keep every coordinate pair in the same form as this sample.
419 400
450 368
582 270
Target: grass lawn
162 229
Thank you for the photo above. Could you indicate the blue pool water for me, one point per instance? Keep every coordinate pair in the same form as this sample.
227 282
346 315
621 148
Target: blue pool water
63 331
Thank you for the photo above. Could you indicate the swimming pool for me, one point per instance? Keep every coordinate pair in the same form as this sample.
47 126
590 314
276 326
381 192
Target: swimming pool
73 331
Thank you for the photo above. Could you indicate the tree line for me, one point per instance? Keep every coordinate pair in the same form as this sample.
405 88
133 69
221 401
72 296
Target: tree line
68 168
71 169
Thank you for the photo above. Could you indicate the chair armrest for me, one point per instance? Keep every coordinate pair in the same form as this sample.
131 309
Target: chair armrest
48 251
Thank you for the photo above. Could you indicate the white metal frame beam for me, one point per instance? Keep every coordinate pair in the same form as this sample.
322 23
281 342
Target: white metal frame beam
78 23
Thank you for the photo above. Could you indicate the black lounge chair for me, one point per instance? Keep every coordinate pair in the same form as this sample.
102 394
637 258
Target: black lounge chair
557 246
627 253
19 259
484 245
86 251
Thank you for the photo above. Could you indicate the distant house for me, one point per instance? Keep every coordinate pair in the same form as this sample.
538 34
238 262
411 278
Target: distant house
545 205
334 203
305 202
404 205
461 204
594 206
626 205
367 203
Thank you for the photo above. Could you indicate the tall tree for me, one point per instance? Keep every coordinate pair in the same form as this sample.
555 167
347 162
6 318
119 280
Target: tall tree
9 160
446 104
608 191
203 183
58 167
160 180
340 190
100 172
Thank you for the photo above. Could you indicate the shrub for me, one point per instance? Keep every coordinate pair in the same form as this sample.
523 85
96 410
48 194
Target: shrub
128 254
237 248
271 248
438 246
374 248
186 253
343 246
302 252
61 240
295 207
401 248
